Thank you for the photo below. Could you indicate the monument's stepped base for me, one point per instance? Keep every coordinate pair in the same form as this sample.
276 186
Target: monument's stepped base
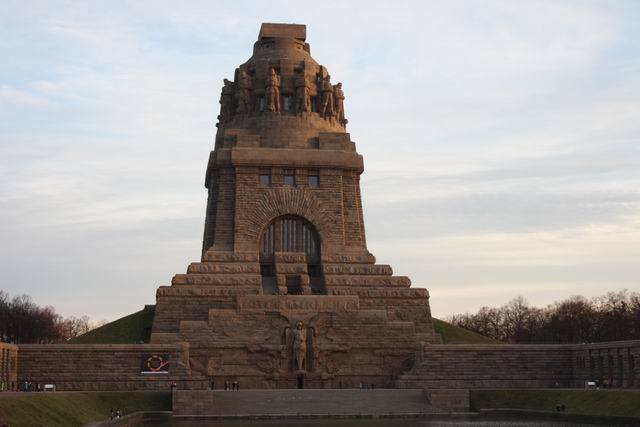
287 403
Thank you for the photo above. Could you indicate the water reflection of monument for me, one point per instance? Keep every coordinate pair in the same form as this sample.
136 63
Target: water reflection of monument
287 293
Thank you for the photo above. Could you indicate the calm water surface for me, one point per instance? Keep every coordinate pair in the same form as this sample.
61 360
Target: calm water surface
440 421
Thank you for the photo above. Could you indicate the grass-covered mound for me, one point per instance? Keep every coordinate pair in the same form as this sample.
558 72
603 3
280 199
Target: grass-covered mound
136 328
455 335
132 329
68 409
618 403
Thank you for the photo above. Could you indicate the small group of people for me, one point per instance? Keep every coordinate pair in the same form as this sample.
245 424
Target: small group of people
115 414
28 386
5 386
365 386
233 386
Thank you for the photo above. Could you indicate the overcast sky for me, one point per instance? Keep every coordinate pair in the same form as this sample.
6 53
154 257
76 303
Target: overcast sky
501 142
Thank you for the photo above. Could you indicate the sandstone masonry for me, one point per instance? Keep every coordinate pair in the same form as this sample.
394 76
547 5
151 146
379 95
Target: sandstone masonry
8 367
286 293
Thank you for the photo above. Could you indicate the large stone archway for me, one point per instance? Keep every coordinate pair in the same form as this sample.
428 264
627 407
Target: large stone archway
290 233
293 240
279 202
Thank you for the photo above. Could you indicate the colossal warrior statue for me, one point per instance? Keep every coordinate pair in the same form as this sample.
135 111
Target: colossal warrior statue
273 91
299 346
284 243
303 94
338 98
226 101
244 93
326 96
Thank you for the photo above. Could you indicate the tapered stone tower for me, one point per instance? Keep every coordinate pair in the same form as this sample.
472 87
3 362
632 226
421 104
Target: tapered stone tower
286 293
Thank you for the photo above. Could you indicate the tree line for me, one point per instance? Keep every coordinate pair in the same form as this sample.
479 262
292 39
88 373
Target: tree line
22 321
611 317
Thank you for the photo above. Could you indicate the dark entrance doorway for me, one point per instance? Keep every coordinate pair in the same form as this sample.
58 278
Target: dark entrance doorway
300 381
293 285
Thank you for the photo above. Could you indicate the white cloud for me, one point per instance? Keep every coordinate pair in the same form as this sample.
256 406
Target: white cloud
501 137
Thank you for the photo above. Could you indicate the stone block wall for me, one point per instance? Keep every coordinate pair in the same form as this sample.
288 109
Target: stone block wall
490 366
318 403
8 366
345 345
103 366
438 367
611 364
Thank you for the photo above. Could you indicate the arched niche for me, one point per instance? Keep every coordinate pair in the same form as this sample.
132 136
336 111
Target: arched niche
290 233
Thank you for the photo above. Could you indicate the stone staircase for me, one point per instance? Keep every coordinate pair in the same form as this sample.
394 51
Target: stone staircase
294 402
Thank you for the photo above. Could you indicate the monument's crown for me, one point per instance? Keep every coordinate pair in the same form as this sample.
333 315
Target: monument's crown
281 41
281 95
271 31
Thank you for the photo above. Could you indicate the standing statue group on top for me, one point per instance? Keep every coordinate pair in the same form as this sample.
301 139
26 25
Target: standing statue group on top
236 97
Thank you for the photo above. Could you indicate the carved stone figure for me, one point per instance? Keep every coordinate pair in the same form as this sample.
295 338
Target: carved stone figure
338 99
272 92
299 345
326 97
244 92
226 102
303 94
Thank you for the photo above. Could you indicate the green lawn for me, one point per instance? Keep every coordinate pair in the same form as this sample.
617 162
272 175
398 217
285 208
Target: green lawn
75 408
455 335
587 402
131 329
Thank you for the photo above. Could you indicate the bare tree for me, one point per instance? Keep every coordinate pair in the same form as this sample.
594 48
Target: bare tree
22 321
614 316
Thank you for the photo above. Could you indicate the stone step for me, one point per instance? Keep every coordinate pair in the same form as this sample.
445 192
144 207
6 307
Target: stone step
357 269
300 402
367 281
206 291
223 268
217 279
349 259
223 256
377 296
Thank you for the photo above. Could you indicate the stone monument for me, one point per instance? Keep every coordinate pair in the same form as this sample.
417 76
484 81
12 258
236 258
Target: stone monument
286 293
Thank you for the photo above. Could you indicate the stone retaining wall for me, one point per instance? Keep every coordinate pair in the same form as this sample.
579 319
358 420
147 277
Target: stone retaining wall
440 366
285 403
490 366
470 366
104 366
